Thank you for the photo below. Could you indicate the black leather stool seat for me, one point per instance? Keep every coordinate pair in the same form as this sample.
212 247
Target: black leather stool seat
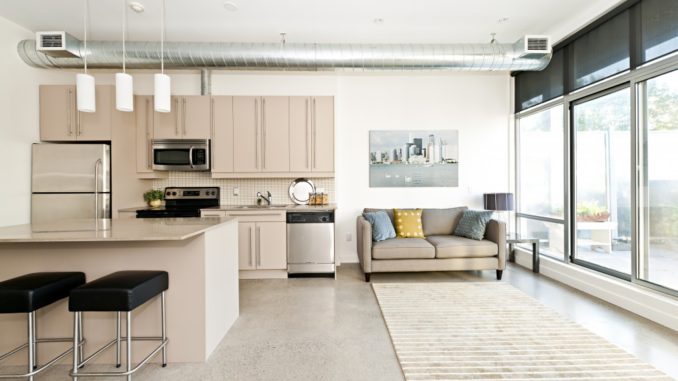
119 291
30 292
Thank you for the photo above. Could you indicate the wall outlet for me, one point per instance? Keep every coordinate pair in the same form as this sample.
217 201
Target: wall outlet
349 237
236 191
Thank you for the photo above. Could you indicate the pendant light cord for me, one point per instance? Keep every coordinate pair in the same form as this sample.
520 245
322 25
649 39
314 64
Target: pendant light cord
85 25
162 38
124 34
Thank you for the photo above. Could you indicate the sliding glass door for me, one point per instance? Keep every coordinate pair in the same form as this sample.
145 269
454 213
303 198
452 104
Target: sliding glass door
602 182
658 262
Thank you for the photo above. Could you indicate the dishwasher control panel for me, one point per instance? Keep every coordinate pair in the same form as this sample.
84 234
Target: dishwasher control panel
324 217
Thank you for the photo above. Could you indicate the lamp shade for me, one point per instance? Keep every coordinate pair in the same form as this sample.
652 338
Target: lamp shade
85 91
498 201
124 92
162 94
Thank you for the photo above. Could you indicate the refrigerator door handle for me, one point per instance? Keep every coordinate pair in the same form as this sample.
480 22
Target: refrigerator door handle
96 188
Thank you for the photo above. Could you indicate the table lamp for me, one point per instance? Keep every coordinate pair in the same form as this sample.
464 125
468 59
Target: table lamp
500 202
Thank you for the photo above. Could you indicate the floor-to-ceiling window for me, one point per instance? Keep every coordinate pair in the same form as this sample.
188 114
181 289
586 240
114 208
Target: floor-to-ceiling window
540 211
602 178
658 262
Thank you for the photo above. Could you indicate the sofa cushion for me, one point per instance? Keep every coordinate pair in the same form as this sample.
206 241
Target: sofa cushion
408 223
441 221
382 227
473 224
403 248
389 212
450 246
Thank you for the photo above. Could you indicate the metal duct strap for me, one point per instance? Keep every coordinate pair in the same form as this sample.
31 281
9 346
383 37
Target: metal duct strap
358 57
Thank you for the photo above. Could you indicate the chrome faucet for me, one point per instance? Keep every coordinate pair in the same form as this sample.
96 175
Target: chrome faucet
268 199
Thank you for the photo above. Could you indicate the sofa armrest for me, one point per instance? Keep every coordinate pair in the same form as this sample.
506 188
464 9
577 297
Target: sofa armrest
496 232
364 241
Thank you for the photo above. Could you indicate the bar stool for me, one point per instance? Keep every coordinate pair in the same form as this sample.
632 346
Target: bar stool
27 294
118 292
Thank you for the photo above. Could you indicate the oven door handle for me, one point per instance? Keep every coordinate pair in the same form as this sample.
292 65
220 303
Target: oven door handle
190 156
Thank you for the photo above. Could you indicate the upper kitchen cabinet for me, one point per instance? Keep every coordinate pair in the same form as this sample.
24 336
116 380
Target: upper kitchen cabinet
312 135
190 118
144 122
260 134
60 120
222 134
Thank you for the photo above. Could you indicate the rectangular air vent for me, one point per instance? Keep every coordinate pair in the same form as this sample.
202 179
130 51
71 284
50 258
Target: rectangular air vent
533 46
537 44
57 44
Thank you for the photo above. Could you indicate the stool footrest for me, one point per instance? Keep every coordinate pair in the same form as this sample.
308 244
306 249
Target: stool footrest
48 364
127 373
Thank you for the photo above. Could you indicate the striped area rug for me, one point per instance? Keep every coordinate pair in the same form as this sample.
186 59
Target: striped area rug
491 331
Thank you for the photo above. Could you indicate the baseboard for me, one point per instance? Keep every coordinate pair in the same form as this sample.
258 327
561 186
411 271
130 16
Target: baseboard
643 301
263 274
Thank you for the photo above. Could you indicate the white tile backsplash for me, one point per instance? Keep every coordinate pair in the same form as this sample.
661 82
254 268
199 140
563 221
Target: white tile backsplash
248 187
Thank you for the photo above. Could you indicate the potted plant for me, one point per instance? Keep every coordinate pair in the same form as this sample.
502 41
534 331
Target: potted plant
154 197
592 212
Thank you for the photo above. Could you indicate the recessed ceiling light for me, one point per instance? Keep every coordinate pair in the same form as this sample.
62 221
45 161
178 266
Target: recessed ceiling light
136 6
231 6
378 21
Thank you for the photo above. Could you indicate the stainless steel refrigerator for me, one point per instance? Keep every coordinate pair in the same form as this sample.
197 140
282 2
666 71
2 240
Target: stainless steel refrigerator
70 181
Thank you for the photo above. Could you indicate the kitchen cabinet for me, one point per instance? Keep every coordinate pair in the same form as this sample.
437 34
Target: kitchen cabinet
60 120
261 130
262 241
311 134
144 135
189 118
222 134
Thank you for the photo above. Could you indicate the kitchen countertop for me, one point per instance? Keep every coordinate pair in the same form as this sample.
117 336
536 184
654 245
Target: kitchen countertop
117 230
290 207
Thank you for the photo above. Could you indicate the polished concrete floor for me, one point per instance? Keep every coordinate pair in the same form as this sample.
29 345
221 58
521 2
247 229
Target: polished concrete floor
327 329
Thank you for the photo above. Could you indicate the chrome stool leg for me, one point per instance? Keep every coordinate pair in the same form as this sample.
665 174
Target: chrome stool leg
76 346
129 344
35 340
117 340
164 329
81 352
31 343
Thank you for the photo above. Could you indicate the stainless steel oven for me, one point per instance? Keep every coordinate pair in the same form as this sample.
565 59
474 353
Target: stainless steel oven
181 155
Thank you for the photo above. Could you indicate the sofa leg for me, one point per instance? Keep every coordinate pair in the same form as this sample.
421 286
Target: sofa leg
367 277
499 274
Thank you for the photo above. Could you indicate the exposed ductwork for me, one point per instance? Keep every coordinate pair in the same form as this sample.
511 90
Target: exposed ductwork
528 54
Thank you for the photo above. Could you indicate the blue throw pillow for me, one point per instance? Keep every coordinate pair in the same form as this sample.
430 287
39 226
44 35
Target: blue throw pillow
472 224
382 227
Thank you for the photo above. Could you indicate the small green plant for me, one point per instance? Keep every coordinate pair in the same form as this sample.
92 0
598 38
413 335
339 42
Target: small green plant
154 194
591 211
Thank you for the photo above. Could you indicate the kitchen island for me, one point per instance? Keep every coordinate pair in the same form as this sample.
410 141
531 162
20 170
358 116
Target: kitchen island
200 255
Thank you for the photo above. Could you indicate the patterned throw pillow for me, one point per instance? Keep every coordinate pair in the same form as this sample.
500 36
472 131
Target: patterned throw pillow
408 223
473 223
382 228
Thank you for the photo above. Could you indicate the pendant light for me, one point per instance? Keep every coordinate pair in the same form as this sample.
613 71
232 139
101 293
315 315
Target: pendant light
162 92
124 84
84 83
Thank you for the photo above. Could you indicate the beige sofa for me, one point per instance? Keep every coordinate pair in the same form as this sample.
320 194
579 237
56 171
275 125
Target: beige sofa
439 251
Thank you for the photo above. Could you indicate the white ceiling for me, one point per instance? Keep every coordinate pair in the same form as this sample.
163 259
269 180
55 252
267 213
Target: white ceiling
422 21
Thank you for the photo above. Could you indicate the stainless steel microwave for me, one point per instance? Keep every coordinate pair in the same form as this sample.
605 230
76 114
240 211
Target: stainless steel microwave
181 155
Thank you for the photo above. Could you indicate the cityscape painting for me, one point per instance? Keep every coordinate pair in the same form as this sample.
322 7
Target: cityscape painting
414 158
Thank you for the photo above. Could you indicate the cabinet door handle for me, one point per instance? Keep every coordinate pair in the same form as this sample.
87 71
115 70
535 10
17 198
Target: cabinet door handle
176 116
263 133
256 133
149 147
70 112
183 115
306 146
212 128
249 245
258 241
314 136
78 125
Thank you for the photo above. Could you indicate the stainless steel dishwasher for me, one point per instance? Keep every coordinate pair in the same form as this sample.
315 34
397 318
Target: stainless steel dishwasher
310 242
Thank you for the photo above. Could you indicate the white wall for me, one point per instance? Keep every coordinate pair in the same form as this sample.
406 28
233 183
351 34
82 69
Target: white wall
476 104
18 122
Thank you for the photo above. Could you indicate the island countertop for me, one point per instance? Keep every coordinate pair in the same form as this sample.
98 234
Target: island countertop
116 230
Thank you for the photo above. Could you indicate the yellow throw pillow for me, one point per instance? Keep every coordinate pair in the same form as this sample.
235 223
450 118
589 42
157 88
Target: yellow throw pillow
408 223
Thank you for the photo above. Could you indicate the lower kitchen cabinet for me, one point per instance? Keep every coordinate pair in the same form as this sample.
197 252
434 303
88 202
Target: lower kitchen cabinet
262 242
